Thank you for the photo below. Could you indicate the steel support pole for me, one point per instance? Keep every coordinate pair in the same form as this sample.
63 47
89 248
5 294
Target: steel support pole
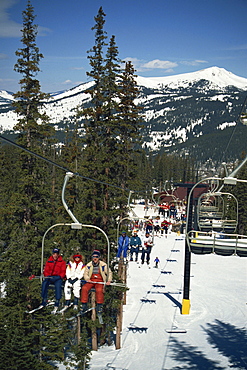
187 258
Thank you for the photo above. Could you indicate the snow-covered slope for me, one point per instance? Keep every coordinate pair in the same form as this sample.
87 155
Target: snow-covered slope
62 106
176 108
219 77
216 333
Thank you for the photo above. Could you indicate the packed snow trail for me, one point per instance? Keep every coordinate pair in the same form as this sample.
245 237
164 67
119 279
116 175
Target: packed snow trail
153 308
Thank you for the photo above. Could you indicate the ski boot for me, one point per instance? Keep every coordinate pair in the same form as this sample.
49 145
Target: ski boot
66 306
84 308
76 300
99 310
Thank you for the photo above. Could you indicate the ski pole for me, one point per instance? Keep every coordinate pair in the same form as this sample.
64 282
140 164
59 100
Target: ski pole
122 285
102 282
37 277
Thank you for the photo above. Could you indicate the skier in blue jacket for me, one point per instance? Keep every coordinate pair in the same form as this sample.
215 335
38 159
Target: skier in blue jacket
123 245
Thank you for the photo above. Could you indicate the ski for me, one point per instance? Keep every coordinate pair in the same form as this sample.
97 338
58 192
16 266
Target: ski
182 331
41 307
99 315
65 308
80 313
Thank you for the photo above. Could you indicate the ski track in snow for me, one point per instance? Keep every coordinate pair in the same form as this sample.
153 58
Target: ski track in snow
218 302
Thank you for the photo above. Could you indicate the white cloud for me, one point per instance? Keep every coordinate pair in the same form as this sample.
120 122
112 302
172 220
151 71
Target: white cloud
160 64
141 65
193 62
167 65
67 82
6 79
3 56
78 68
237 47
10 28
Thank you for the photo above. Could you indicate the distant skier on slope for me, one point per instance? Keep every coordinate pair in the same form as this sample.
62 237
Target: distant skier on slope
156 261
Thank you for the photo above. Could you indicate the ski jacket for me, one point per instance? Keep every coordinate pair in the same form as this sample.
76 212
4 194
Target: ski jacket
123 242
147 242
88 271
134 241
165 224
75 270
55 268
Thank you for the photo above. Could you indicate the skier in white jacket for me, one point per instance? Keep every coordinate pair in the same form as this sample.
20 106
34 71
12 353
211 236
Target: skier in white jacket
147 247
74 274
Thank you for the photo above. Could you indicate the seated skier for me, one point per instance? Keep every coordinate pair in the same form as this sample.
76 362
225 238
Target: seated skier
54 273
95 275
74 274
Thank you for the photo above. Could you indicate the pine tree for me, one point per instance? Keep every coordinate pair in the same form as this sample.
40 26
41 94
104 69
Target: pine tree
100 127
129 123
29 100
29 206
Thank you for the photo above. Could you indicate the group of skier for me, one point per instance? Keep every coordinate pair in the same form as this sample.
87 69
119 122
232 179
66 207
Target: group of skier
134 245
80 279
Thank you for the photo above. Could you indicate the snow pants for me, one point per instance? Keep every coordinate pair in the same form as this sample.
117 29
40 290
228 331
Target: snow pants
76 287
134 249
57 281
122 250
146 252
99 289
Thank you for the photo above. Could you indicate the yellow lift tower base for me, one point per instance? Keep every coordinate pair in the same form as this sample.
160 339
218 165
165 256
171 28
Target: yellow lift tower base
185 307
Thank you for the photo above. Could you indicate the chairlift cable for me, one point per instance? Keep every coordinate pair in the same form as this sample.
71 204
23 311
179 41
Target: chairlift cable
59 166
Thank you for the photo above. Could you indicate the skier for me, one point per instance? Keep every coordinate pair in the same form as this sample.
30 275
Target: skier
149 226
74 274
54 273
164 227
146 249
135 244
123 245
156 262
95 275
157 225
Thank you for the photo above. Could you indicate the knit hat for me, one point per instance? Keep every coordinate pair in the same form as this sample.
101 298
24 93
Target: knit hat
55 250
77 255
96 253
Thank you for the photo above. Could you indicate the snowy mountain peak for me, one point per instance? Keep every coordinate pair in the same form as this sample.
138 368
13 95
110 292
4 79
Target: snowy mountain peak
220 77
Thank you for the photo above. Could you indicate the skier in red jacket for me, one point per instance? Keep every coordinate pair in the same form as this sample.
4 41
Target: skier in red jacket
54 273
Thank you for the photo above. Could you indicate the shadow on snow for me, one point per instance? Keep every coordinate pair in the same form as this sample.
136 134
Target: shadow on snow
227 339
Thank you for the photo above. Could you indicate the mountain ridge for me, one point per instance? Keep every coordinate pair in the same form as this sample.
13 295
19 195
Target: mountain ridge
178 110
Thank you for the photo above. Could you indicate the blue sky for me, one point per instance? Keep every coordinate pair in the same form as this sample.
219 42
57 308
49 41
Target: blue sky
160 37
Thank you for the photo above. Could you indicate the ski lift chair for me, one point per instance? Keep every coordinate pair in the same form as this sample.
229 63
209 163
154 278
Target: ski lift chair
200 242
216 215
